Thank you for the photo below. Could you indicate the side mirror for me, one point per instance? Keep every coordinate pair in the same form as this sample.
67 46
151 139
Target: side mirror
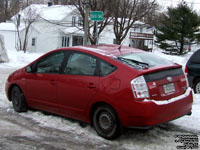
28 69
31 68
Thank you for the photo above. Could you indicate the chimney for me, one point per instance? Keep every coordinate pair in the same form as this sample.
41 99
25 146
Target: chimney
50 4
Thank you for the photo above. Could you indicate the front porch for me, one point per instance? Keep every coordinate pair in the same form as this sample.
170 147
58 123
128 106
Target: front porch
141 40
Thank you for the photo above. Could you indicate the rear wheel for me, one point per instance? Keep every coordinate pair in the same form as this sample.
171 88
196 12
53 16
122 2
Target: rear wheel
197 86
18 100
106 122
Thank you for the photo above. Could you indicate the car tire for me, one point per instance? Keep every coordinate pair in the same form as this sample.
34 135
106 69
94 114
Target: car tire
18 100
197 86
106 122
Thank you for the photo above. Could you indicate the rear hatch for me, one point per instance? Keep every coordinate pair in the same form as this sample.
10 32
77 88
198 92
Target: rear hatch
159 79
166 83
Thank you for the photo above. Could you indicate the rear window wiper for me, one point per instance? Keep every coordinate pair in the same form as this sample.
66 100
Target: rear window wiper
141 64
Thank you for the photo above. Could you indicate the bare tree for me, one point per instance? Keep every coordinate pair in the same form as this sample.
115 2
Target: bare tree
95 5
126 12
8 8
24 21
154 17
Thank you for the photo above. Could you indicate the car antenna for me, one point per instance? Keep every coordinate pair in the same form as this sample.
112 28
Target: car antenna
119 48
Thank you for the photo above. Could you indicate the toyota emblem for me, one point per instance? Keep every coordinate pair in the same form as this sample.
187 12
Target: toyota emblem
169 79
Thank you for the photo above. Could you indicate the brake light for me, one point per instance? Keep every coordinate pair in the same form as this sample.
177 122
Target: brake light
139 87
186 70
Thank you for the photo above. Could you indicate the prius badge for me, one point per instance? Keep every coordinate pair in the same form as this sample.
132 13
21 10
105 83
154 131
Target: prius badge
169 79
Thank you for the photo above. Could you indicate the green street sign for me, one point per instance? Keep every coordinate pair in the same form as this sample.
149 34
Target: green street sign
96 15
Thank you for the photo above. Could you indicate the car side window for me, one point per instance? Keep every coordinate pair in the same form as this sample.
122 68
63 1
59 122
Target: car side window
81 64
196 57
51 63
106 68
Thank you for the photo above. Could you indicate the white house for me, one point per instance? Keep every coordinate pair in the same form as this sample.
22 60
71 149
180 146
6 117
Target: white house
59 26
8 31
50 26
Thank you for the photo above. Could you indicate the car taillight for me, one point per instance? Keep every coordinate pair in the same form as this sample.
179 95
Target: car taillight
186 74
139 87
186 70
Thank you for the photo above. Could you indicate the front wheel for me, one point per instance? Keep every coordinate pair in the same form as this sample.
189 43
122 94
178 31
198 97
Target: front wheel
18 100
197 86
106 122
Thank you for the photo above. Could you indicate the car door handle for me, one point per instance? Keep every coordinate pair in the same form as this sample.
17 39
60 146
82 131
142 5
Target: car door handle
53 82
91 85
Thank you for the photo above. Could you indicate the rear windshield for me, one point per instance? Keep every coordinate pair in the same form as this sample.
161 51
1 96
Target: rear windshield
142 60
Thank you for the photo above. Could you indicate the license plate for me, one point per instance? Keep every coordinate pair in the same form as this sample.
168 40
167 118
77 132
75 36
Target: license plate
169 88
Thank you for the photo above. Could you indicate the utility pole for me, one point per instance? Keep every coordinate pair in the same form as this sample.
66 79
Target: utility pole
97 36
86 24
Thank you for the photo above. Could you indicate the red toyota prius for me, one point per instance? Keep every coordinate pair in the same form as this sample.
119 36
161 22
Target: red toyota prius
108 86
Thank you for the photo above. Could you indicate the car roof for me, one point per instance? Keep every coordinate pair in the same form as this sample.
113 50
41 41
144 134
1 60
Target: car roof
110 49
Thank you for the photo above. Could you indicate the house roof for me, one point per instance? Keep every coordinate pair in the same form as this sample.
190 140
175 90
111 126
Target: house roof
52 13
9 26
73 30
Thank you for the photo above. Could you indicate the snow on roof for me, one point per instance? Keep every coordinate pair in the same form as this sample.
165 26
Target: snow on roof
53 13
73 30
5 26
57 12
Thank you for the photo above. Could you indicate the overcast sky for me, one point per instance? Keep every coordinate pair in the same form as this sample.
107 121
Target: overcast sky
194 3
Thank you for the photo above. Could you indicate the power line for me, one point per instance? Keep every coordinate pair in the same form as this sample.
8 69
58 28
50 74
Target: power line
177 1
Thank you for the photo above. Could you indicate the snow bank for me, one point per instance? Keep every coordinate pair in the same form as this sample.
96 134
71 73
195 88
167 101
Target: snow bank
18 59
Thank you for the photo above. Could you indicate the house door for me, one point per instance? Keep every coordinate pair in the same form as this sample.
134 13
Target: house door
77 40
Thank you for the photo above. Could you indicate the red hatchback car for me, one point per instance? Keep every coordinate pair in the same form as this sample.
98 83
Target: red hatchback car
108 86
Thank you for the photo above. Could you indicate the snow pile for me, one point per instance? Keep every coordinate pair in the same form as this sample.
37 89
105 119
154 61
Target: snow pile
3 51
18 59
182 60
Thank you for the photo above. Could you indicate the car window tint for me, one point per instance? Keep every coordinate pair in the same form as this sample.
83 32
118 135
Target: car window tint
81 64
196 57
51 63
147 57
106 68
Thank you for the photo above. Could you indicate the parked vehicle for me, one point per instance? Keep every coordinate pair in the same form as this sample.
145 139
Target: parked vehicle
192 70
108 86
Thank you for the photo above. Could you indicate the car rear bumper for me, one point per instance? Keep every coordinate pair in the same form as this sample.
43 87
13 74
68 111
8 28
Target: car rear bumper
149 113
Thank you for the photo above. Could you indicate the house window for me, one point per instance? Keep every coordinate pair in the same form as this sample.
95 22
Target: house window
80 21
33 41
77 40
65 41
73 21
114 41
141 30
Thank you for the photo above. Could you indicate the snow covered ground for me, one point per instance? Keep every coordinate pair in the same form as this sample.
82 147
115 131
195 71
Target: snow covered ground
160 137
